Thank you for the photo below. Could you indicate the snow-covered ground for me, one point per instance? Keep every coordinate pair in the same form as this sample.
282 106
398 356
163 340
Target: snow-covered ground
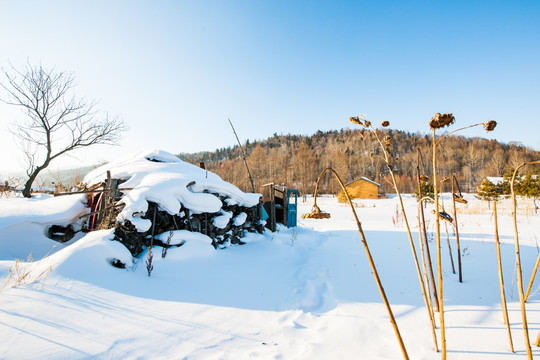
299 293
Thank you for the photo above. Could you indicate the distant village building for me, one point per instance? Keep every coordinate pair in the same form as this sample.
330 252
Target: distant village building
361 188
495 180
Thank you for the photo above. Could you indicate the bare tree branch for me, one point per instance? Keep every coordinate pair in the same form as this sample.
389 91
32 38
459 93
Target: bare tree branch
57 121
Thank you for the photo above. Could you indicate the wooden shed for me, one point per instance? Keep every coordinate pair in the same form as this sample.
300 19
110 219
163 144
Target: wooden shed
361 188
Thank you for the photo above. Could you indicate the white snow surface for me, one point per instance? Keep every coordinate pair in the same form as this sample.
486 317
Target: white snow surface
163 178
299 293
34 216
62 210
222 220
240 219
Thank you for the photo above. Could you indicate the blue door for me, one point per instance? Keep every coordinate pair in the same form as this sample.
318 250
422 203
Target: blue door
292 203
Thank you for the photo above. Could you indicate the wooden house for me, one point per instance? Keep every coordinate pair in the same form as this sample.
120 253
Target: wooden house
361 188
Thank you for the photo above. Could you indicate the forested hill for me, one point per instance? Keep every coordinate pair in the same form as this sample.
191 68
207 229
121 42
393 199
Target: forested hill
297 160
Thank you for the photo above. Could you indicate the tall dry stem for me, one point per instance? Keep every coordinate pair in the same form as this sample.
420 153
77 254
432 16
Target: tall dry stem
447 219
387 159
454 186
425 251
531 281
438 243
518 260
437 122
370 259
501 280
423 227
449 248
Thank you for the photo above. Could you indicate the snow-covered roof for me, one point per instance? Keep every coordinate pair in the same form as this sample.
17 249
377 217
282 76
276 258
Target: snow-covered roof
495 180
173 184
363 178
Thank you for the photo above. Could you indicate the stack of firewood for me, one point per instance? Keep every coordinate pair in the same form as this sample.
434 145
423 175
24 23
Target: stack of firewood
226 227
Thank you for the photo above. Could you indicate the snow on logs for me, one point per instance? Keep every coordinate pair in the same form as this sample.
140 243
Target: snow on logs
169 198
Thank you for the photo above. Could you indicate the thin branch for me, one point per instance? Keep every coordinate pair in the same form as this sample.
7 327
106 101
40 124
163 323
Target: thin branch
57 122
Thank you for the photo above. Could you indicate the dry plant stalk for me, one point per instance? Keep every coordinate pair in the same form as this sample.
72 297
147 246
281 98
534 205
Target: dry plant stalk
424 252
387 158
370 259
448 219
518 262
437 122
532 277
438 239
449 247
21 273
316 212
501 280
427 254
460 199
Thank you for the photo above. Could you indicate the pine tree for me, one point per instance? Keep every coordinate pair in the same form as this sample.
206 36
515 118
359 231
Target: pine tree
427 190
529 186
488 191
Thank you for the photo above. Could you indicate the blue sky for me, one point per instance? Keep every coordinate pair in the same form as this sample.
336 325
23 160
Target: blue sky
176 70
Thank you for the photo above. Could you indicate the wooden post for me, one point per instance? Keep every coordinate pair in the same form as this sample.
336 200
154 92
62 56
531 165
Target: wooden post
272 208
285 207
113 189
104 202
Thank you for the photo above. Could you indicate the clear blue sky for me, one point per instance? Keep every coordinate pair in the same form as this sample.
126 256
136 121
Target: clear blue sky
176 70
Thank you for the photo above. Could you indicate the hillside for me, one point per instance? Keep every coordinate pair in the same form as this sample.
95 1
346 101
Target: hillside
296 160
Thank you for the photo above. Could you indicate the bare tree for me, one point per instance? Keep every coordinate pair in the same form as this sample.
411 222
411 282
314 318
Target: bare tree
56 121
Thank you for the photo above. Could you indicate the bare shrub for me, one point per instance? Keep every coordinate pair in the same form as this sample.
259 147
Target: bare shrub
26 272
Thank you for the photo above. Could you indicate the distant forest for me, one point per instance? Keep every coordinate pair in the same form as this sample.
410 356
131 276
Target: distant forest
297 160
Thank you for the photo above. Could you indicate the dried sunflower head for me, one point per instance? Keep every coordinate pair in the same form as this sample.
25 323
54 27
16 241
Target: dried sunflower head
367 123
444 215
441 120
385 123
445 180
355 120
387 141
424 178
459 198
490 125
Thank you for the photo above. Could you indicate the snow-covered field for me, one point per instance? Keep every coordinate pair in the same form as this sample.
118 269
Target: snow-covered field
299 293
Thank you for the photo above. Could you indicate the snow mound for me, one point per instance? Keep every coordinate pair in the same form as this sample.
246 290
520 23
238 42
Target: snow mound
91 256
42 209
160 177
24 224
